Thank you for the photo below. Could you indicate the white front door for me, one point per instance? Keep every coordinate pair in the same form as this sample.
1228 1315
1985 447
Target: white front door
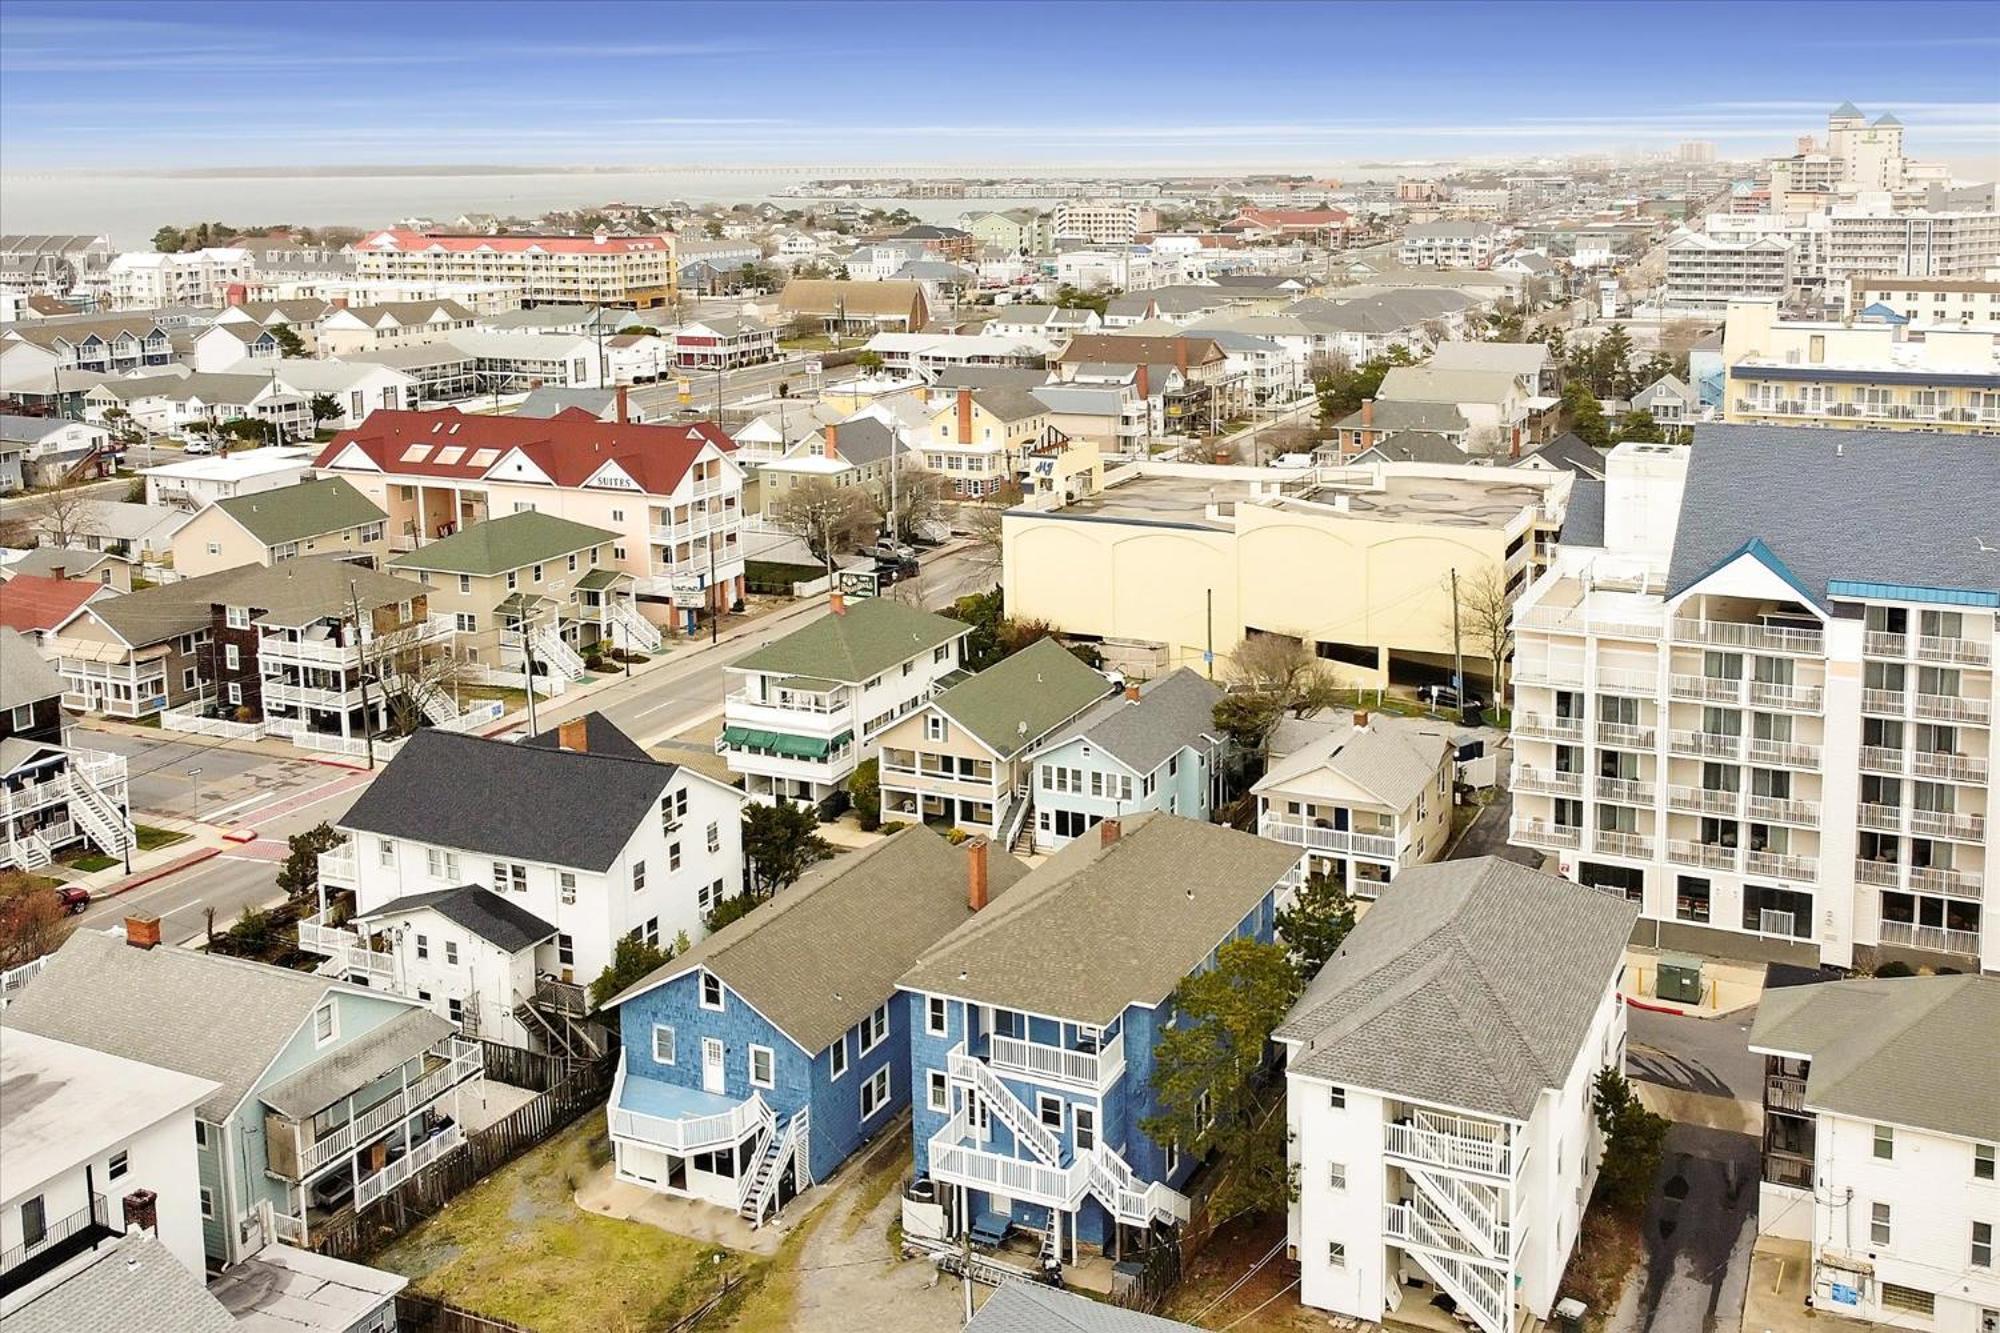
711 1064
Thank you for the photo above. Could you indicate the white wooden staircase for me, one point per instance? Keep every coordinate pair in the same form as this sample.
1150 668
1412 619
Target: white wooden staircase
786 1144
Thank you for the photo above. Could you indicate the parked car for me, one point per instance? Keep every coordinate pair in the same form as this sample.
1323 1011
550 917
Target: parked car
1445 698
73 899
198 447
890 553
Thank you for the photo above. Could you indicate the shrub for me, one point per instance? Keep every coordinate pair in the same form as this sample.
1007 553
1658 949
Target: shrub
1895 967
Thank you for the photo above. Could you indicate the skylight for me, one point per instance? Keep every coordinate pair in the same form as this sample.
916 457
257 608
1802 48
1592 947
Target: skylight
416 453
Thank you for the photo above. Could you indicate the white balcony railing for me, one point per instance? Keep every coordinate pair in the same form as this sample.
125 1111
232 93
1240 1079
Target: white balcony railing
337 867
1011 1055
1625 791
1938 939
1792 698
1881 818
1547 781
1707 855
1545 727
1940 648
1624 735
1301 834
1708 744
1953 708
1704 800
1881 643
1783 754
1966 827
1540 833
437 1145
1617 842
1713 689
1765 638
1779 865
1892 703
1452 1141
685 1133
1775 810
1881 759
461 1061
1947 767
1943 879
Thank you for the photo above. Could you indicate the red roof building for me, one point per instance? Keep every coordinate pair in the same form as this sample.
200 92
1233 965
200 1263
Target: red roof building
1290 221
34 604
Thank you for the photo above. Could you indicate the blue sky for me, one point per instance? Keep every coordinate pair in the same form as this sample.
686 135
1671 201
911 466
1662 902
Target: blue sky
1288 86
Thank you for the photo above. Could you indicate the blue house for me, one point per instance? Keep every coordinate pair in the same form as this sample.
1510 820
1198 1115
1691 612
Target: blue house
1149 747
1033 1032
758 1061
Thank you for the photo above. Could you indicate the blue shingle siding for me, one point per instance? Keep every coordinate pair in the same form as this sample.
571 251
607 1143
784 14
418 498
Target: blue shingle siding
927 1052
837 1126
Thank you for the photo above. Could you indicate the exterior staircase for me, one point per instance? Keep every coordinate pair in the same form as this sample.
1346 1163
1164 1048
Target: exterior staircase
1480 1292
640 632
438 707
100 817
1457 1228
31 852
787 1143
1021 1122
1018 836
558 656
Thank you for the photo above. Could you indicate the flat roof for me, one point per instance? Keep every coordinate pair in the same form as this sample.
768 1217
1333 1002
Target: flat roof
234 467
62 1104
282 1289
1185 500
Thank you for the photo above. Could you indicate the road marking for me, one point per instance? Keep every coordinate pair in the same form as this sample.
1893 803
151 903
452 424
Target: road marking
261 798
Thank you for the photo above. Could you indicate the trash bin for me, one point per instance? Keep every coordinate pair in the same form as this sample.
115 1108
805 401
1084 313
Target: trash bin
1569 1315
1680 979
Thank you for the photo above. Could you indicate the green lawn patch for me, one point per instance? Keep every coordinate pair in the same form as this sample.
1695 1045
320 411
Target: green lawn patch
88 861
517 1247
149 720
150 837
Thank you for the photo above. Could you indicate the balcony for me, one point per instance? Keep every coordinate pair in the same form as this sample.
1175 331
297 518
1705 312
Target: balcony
416 1159
1545 727
1762 638
1943 879
677 1119
1624 736
61 1240
1880 818
325 652
347 953
1454 1142
1626 791
452 1062
1706 855
1940 648
957 1158
1712 689
311 696
1791 698
1888 703
1704 800
1953 708
1321 839
337 867
1617 842
1783 754
1624 680
1548 782
1948 824
1547 672
1707 744
1033 1060
1785 1092
1776 810
1936 939
1883 874
1938 765
1778 865
1880 643
1540 833
1880 759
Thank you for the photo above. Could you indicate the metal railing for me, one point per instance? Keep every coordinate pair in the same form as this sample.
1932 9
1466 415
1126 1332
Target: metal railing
1881 818
1540 833
1936 939
73 1233
1624 734
1731 634
1942 648
1548 781
1707 855
1882 643
1943 879
1712 744
1712 688
1882 759
1893 703
1953 708
1542 726
1785 754
1948 767
1628 791
1780 865
1966 827
1704 800
1617 842
1798 698
1778 810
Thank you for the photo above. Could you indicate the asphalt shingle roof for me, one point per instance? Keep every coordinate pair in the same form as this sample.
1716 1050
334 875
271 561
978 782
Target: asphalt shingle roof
1917 1051
1394 759
510 541
1016 701
559 807
136 1274
1571 452
25 676
293 513
1173 711
1583 520
600 736
1473 985
1029 1307
504 924
856 646
1902 500
223 1019
1094 928
825 953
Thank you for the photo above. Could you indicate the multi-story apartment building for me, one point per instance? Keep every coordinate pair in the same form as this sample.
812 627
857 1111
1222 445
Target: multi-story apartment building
94 1144
1773 736
1880 1133
807 709
1101 221
1151 746
1706 273
1928 302
980 439
1032 1045
744 1078
53 796
962 760
324 1093
1450 244
673 494
346 329
146 281
578 830
1367 800
1426 1158
1832 249
601 269
1858 376
111 345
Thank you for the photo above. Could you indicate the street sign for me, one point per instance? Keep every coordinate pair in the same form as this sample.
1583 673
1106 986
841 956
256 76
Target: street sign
815 366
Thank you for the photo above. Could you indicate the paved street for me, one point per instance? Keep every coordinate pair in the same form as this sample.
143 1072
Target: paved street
1699 1228
231 783
1710 1056
1487 835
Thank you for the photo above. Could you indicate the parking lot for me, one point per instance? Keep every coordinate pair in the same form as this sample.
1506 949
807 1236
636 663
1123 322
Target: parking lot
231 784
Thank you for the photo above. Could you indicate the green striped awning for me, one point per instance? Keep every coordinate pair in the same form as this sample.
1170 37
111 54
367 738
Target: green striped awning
783 743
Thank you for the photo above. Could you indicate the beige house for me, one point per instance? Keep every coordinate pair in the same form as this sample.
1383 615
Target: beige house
1173 561
980 438
325 517
1369 798
850 453
374 328
531 585
962 759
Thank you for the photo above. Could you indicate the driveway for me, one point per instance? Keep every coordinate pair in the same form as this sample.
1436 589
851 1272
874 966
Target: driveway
1487 834
1709 1056
1699 1228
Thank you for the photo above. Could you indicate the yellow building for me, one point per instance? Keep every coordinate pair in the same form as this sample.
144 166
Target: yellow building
1169 559
1865 374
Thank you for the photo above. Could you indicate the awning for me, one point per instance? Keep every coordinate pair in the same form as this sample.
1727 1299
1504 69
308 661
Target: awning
783 743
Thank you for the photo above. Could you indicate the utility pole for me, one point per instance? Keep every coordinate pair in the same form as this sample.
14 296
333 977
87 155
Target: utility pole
714 604
528 656
361 642
1208 656
1457 652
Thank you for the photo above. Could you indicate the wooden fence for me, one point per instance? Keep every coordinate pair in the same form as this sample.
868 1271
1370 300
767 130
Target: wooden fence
523 1068
357 1236
418 1313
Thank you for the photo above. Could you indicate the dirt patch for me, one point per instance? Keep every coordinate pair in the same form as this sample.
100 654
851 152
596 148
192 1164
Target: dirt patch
1266 1301
1606 1254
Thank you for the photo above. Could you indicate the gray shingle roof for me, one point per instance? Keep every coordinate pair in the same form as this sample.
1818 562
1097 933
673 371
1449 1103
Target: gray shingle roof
1471 985
557 807
1395 758
1917 1051
136 1274
600 736
823 954
1583 521
1028 1307
1902 501
1174 711
1508 358
1413 446
25 676
1436 418
1571 452
217 1018
504 924
1094 929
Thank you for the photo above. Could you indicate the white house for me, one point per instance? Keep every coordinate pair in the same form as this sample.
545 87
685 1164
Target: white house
1438 1091
93 1143
198 482
1881 1127
577 828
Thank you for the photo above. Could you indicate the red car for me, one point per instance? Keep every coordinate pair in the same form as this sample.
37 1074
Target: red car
73 899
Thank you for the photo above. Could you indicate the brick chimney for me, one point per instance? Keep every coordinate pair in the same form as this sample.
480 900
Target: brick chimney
965 416
624 404
1367 413
574 735
1180 355
339 303
1514 450
58 572
837 601
1361 719
142 1211
1143 394
1110 831
831 435
142 931
975 874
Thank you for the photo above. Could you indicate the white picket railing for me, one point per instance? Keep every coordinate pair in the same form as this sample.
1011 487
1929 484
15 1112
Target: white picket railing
683 1133
374 1187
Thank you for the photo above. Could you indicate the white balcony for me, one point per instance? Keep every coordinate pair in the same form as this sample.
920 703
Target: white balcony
1880 643
956 1158
1881 818
1706 855
1939 648
1301 834
348 954
337 867
1880 759
1774 810
1791 698
1964 827
1783 754
1035 1061
1529 832
1626 681
1707 744
311 696
1953 708
1883 874
1777 865
323 652
1624 736
1937 939
430 1150
1625 791
1452 1142
460 1061
1888 703
1939 766
676 1119
1941 879
1713 689
1705 800
1544 671
1763 638
1545 727
1616 842
1547 781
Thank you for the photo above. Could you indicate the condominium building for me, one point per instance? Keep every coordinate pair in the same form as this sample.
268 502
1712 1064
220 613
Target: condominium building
1773 733
1880 1132
1450 244
601 269
1101 221
1869 239
1927 302
1858 376
1707 273
147 281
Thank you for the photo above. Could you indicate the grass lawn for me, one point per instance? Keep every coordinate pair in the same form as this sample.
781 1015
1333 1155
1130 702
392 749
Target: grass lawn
88 861
517 1247
511 699
816 342
151 837
150 720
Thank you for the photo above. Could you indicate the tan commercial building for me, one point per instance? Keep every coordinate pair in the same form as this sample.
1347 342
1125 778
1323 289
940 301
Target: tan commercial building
601 269
1172 562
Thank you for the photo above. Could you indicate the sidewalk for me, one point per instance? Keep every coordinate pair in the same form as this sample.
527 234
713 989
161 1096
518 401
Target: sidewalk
203 842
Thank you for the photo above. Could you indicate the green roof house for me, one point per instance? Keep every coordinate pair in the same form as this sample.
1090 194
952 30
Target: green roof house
327 517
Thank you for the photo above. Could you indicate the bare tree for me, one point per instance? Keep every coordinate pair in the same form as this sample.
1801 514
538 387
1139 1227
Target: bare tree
59 513
921 500
983 521
1270 675
1324 366
826 517
414 681
1486 621
32 919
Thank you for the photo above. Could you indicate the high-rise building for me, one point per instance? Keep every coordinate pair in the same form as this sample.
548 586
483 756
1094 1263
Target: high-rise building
1695 152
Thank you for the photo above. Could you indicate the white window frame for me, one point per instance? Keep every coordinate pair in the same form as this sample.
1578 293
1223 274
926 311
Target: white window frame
200 1133
1881 1224
1884 1147
1336 1176
1336 1099
1083 1123
332 1014
937 1095
770 1079
836 1060
207 1203
875 1028
879 1086
1043 1101
937 1015
1336 1254
706 979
